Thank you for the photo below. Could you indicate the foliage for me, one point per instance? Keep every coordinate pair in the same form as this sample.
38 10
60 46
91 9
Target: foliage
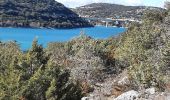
33 76
141 47
88 59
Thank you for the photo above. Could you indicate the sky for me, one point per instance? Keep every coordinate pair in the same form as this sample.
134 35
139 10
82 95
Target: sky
77 3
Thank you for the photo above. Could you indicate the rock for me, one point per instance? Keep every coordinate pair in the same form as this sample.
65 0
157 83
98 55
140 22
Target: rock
167 87
130 95
85 98
118 90
124 80
160 96
150 91
111 98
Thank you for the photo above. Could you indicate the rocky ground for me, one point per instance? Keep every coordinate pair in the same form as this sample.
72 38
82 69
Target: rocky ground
118 88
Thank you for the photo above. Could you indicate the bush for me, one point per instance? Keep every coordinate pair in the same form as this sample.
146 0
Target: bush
141 48
33 76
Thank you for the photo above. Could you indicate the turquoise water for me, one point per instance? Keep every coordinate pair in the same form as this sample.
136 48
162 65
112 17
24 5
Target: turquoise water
25 36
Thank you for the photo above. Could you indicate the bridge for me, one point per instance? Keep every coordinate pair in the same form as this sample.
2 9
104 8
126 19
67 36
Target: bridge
110 20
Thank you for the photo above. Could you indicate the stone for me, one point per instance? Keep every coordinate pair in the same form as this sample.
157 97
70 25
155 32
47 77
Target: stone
111 98
150 91
124 80
85 98
130 95
118 90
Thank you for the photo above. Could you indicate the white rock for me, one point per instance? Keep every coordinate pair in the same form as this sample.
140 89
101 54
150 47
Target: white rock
130 95
124 80
168 96
85 98
111 98
150 91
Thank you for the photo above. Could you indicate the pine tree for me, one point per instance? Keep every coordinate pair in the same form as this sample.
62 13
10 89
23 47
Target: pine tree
36 57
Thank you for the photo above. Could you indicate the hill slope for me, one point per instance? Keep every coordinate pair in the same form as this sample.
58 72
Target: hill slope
38 13
105 10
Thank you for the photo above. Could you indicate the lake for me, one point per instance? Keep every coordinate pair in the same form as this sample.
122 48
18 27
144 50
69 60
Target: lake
25 36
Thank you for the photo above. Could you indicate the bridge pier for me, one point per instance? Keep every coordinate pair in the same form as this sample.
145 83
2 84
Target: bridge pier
107 23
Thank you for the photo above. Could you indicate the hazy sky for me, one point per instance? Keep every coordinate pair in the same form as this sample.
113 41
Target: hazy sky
77 3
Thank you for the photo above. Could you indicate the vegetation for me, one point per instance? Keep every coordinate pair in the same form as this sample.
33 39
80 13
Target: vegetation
87 58
32 76
70 70
142 48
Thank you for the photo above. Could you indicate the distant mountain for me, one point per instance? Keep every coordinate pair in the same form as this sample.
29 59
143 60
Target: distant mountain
105 10
38 13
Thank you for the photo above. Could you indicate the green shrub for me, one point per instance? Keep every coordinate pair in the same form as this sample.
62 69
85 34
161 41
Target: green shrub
140 48
33 76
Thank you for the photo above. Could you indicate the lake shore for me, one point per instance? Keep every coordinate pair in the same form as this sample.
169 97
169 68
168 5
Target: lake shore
25 36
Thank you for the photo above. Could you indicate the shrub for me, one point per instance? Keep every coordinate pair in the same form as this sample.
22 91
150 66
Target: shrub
140 48
33 76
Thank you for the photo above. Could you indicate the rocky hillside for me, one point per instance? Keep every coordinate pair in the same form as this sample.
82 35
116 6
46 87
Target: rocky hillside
38 13
105 10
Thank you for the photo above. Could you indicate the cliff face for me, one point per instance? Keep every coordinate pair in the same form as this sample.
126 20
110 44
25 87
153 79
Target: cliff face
38 13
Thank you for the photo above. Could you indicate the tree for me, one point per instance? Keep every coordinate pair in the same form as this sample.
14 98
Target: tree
62 88
9 72
47 81
36 57
36 86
